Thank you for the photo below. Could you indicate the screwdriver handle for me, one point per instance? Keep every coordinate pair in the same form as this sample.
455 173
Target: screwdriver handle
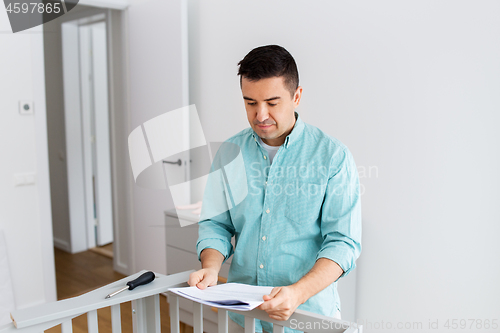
141 280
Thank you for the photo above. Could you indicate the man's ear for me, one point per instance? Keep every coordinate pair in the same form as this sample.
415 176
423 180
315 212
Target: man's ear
297 96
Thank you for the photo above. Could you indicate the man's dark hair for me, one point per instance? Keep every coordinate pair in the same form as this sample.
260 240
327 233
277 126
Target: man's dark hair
270 61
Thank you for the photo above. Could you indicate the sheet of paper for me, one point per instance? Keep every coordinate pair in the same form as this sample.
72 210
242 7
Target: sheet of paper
231 296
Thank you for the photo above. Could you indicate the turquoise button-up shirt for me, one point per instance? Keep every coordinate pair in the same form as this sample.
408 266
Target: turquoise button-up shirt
285 215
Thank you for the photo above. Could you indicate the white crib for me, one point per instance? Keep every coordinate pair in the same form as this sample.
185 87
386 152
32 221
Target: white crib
146 312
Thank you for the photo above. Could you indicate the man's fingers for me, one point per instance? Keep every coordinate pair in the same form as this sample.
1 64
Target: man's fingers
206 282
194 278
271 304
269 300
278 304
203 283
273 293
200 279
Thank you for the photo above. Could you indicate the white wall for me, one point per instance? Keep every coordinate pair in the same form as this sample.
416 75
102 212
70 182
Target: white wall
25 213
157 81
412 89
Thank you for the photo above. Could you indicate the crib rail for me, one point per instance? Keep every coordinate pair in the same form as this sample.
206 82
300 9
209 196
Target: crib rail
146 312
145 304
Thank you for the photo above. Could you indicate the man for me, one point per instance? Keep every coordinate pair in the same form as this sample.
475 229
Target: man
299 227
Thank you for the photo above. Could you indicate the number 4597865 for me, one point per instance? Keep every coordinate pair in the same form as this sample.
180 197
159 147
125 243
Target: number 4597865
471 324
34 7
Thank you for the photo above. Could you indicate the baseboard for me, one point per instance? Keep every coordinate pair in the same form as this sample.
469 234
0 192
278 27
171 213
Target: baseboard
121 268
103 252
62 245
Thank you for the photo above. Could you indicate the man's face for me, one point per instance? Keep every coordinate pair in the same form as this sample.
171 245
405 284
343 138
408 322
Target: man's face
270 108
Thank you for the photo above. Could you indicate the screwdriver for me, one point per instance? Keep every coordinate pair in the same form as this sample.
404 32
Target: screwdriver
131 285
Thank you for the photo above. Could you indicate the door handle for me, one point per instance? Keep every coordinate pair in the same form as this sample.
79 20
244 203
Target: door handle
178 162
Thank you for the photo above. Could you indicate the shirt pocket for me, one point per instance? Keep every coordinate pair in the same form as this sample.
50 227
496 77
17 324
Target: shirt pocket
303 200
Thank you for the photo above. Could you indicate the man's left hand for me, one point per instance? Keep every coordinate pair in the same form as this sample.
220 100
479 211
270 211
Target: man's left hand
281 302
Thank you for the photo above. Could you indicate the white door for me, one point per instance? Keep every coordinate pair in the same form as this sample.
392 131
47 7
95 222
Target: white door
87 133
101 145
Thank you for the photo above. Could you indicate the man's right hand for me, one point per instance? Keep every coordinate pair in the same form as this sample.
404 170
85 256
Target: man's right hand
211 260
203 278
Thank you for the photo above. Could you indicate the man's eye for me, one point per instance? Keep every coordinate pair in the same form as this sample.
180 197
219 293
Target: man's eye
271 104
251 103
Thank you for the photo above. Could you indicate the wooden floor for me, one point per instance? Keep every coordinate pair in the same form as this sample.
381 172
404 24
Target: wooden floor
106 250
79 273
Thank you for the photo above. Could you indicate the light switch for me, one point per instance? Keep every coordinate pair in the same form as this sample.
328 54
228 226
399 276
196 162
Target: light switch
29 179
21 179
18 179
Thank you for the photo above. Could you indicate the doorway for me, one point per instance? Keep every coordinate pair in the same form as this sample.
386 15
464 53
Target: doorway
87 123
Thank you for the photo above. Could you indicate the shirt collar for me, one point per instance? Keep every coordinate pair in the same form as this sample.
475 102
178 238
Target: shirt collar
294 134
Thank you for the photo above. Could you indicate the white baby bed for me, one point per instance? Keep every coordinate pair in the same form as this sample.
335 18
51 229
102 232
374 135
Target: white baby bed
146 311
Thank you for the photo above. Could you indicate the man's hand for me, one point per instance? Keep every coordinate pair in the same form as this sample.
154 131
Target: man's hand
203 278
211 260
282 302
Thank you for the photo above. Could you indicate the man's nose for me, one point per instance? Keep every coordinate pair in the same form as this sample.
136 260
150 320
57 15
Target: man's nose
262 113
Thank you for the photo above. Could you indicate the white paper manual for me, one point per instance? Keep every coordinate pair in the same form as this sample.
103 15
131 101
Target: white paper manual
230 296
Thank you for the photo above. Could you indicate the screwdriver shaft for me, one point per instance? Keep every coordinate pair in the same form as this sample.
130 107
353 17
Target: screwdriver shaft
117 292
143 279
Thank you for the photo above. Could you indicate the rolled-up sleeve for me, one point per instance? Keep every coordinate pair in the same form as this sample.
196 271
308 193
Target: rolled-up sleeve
341 214
216 233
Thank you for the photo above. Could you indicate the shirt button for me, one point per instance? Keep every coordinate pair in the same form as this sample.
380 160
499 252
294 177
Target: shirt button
261 266
265 157
264 238
267 211
265 183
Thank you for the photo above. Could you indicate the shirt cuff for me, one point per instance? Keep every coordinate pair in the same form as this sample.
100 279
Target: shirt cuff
342 256
223 246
